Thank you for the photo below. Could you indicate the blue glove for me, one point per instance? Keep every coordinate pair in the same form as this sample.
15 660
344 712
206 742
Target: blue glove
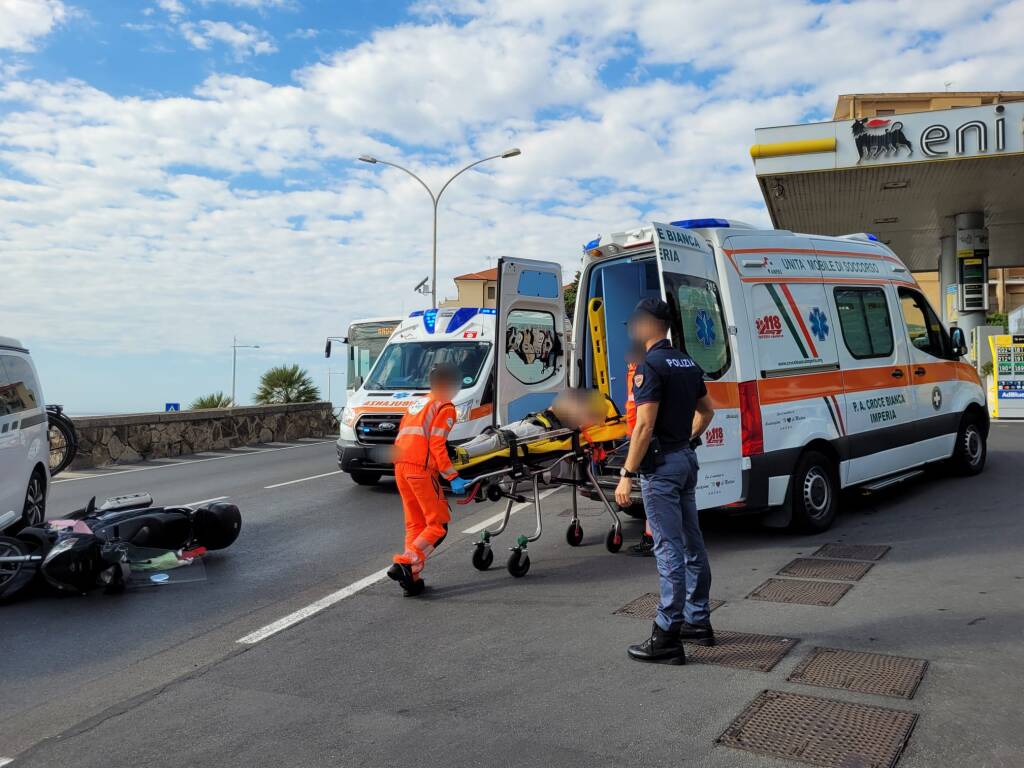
459 486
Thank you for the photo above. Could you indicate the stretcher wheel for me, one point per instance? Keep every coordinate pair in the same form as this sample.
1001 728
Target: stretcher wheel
483 556
613 541
518 563
574 533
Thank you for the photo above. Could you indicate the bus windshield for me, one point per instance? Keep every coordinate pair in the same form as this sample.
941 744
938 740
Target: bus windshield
365 341
407 365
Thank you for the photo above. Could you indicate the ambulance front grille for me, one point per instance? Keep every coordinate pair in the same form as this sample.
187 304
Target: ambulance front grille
378 428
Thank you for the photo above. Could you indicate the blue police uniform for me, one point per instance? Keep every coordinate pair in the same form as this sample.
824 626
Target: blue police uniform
675 382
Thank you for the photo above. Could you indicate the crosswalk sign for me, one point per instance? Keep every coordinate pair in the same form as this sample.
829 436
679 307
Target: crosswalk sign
172 407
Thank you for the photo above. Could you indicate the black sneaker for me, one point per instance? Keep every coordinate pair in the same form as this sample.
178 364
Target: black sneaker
402 574
698 634
660 648
415 589
644 549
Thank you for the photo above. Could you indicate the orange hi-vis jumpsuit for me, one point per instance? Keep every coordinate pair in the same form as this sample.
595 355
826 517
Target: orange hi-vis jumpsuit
421 455
631 416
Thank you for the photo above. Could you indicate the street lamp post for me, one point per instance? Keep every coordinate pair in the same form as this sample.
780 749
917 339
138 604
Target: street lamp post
435 199
235 346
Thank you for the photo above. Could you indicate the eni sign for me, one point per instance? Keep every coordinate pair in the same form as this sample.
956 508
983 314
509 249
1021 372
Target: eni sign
935 139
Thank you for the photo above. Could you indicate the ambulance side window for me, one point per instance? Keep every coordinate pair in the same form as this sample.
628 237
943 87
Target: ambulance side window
532 345
923 327
865 321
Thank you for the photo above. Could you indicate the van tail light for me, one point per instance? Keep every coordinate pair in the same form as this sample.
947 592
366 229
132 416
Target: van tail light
750 419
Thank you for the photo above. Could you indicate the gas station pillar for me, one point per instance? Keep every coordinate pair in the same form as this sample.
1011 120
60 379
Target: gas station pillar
971 272
947 279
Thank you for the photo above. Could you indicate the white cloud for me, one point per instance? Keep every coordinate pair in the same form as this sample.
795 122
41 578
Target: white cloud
22 22
155 197
174 8
245 40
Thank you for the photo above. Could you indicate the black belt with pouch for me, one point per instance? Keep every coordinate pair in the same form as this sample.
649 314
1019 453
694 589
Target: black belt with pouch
654 457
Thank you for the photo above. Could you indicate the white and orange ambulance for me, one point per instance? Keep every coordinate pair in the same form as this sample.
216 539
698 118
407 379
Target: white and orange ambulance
827 366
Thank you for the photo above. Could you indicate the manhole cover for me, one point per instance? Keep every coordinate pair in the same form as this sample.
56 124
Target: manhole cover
852 551
814 568
743 651
645 606
836 734
802 592
863 672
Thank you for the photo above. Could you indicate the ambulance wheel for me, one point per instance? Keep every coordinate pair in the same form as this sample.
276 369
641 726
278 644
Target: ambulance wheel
971 451
574 534
518 563
814 493
613 541
363 477
483 556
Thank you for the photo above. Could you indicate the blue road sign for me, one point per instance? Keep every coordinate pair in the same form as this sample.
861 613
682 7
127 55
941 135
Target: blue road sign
172 407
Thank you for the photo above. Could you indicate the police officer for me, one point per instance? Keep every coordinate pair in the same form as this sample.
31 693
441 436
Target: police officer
673 410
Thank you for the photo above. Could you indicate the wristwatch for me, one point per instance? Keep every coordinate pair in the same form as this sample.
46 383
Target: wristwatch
626 473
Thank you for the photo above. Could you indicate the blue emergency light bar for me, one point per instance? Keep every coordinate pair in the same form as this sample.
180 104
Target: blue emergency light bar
699 223
592 244
871 237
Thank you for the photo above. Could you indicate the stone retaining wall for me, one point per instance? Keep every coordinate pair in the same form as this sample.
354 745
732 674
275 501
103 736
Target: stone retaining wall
104 440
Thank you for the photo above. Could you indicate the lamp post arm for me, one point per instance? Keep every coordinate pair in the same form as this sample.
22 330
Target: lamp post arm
423 184
459 173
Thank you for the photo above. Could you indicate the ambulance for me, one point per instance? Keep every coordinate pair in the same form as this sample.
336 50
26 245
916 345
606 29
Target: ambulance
465 337
827 367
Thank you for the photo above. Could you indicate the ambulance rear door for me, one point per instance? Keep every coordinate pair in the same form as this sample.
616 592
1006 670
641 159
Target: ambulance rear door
690 284
530 365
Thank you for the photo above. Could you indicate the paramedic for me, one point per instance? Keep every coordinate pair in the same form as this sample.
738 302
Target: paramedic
421 459
673 410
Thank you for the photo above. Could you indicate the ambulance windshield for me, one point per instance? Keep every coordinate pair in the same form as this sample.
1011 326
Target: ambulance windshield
407 365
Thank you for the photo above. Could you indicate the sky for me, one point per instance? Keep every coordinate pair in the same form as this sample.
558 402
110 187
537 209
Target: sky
175 173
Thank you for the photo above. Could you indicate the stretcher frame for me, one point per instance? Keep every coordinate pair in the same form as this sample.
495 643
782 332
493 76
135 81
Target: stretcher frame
520 470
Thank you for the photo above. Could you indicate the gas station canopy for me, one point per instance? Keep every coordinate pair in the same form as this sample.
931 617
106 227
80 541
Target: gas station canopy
901 177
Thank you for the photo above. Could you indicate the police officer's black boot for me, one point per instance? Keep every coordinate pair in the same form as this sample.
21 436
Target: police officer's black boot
645 548
662 647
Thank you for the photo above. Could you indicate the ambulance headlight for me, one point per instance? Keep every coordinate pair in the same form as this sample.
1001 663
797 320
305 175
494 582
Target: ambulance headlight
348 417
464 412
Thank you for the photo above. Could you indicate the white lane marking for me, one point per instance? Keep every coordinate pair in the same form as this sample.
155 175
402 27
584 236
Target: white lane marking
239 455
517 508
196 504
313 608
301 480
6 761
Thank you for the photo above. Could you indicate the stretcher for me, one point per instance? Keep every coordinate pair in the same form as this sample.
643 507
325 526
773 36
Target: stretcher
561 457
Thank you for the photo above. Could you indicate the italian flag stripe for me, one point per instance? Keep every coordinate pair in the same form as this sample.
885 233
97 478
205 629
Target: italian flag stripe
785 316
796 313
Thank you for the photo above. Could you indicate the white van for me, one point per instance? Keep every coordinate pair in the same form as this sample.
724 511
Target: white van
24 444
464 336
826 364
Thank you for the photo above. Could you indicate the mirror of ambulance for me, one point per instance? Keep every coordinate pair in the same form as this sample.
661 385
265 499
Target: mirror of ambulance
959 340
327 349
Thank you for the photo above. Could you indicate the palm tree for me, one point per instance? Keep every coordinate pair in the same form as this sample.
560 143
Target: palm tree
286 384
212 400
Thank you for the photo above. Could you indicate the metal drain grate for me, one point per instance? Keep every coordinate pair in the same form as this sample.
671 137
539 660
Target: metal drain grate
852 551
802 592
814 568
645 606
863 672
743 651
823 732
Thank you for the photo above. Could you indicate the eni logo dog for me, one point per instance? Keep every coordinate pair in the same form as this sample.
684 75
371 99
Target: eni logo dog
877 136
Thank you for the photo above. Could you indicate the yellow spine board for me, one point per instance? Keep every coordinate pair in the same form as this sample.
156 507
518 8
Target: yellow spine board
598 343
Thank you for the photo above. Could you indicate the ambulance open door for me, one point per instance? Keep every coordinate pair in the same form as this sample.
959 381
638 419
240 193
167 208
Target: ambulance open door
530 365
690 284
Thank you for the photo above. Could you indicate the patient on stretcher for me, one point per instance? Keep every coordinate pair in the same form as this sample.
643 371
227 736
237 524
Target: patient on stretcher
573 409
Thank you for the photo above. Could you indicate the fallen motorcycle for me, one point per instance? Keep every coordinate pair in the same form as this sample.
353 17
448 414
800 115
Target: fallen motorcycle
126 542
